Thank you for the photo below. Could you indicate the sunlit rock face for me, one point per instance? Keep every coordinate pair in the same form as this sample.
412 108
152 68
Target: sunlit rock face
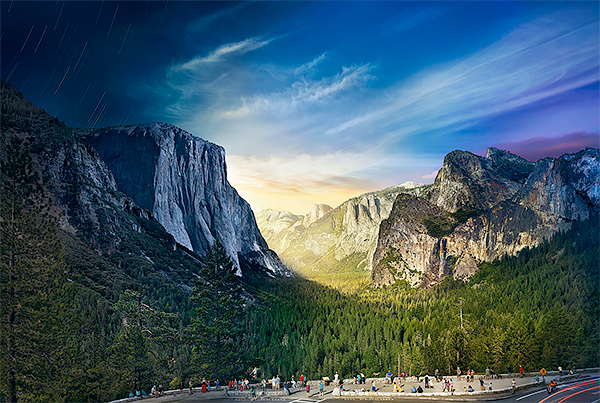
469 181
182 180
480 209
316 213
339 239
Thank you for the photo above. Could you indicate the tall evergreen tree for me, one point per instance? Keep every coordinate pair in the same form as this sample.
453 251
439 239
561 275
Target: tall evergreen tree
35 322
144 329
218 321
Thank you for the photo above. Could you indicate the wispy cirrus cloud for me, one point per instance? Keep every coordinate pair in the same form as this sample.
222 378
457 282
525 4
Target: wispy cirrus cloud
222 51
544 58
310 66
301 93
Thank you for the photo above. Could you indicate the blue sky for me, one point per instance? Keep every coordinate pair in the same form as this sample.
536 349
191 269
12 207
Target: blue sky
316 102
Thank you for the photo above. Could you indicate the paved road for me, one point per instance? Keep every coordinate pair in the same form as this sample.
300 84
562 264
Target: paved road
583 391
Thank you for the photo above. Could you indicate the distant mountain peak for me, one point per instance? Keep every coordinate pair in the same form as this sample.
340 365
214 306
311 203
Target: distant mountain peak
316 213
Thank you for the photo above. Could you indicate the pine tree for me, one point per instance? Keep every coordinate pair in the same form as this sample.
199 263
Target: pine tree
144 329
35 322
217 325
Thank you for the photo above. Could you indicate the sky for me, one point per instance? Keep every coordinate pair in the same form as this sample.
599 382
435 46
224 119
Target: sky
318 102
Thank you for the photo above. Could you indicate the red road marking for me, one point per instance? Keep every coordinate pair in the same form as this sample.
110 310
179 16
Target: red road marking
571 387
576 393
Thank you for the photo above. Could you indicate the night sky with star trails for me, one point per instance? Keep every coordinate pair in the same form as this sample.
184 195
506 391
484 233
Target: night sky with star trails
69 57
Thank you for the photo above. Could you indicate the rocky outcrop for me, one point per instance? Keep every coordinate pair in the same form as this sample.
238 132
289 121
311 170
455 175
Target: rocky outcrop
468 181
182 180
480 209
339 239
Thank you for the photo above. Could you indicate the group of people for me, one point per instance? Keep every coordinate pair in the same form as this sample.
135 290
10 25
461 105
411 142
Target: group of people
276 383
239 384
300 383
359 379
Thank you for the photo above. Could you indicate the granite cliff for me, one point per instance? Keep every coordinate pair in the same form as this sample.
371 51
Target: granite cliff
182 180
480 209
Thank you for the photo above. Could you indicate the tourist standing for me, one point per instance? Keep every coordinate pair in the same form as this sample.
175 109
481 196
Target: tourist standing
321 386
521 370
307 389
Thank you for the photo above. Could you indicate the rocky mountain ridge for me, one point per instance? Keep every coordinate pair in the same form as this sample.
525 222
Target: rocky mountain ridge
480 209
182 180
339 239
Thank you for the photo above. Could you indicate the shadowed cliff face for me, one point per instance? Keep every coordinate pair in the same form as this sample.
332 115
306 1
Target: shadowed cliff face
480 209
182 180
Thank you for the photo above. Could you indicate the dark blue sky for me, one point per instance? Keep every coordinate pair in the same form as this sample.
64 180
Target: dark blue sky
318 101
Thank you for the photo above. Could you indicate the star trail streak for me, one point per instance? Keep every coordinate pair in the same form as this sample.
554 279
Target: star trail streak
78 60
113 21
83 96
41 37
59 14
99 102
26 39
26 81
124 39
61 81
99 11
46 86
